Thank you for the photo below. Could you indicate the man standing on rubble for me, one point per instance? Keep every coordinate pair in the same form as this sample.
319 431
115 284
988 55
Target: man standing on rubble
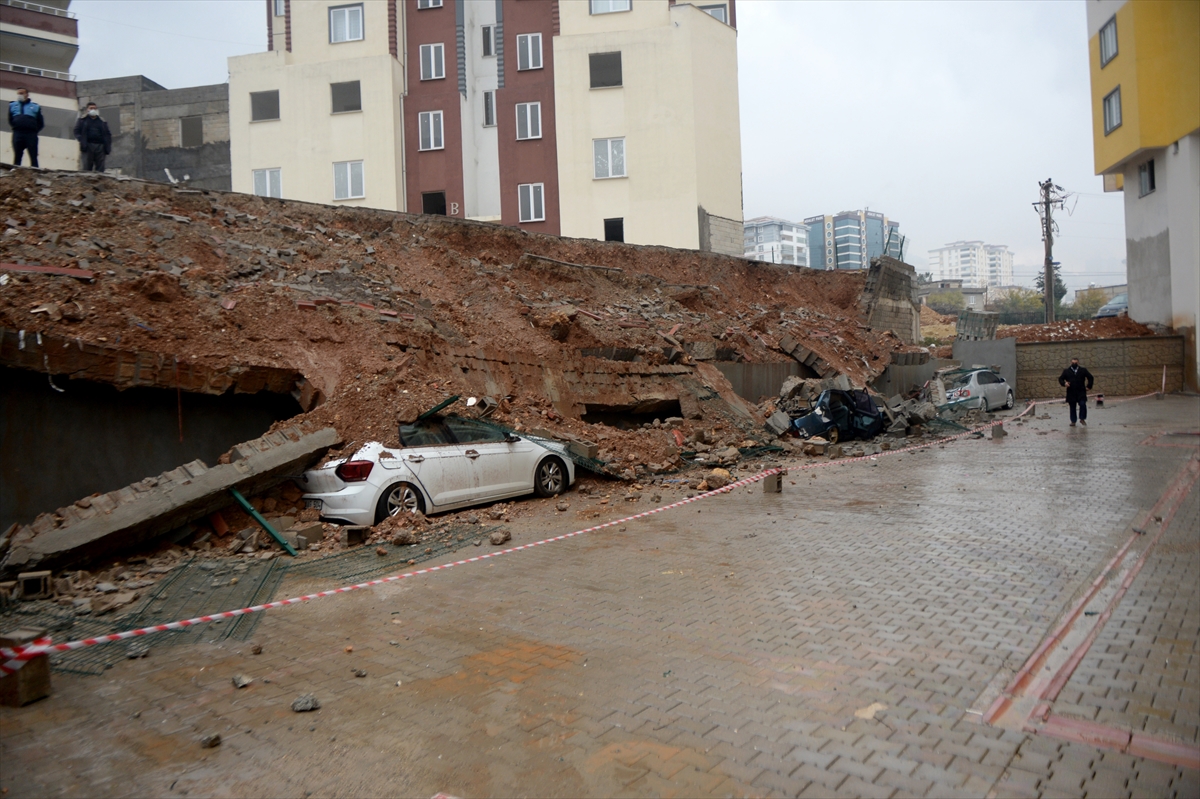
95 140
25 121
1074 378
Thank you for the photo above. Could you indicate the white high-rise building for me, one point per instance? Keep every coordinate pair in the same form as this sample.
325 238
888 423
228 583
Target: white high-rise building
976 264
775 241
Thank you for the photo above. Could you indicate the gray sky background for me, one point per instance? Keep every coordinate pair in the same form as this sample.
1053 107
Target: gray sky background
941 115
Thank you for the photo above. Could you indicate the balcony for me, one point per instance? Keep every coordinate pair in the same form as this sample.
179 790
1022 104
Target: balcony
40 18
37 80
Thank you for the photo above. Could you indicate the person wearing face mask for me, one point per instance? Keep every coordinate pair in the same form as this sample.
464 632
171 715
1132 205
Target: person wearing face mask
1078 382
25 119
95 139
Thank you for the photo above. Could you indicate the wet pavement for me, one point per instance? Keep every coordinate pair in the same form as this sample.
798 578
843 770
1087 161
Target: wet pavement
841 638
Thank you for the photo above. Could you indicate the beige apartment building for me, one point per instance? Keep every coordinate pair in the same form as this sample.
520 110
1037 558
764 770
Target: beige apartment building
38 43
604 119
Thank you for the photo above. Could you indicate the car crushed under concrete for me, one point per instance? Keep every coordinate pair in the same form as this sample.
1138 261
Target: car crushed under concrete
839 415
443 463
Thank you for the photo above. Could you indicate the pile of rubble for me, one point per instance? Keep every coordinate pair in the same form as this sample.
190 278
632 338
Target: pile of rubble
359 312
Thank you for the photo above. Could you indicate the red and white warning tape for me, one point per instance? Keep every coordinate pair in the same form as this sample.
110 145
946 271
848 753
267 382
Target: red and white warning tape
16 657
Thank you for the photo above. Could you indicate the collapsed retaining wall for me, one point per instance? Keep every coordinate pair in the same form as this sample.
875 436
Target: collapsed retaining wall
889 299
1122 366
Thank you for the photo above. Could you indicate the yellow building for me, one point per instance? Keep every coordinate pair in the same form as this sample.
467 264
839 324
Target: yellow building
1144 59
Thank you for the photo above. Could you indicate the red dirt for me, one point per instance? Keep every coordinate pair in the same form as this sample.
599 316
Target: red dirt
1076 330
344 295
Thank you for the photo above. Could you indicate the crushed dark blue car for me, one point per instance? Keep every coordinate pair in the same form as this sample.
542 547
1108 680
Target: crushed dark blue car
841 416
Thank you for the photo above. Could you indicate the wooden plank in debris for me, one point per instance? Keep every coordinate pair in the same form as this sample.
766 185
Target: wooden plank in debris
568 263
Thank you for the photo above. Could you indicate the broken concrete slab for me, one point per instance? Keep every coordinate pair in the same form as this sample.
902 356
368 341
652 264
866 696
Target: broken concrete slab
128 518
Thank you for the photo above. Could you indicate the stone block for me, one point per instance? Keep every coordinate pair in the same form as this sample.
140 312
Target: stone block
35 585
779 423
308 534
773 484
30 682
354 536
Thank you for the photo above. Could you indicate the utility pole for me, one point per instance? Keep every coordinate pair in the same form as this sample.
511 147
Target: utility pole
1052 198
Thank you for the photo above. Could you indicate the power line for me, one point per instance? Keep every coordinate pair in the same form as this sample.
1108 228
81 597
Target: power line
165 33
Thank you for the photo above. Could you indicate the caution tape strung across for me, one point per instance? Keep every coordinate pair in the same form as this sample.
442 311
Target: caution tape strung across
13 659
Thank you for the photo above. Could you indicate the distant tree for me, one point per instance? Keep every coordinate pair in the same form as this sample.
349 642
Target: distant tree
924 277
1020 306
1086 303
1060 288
946 302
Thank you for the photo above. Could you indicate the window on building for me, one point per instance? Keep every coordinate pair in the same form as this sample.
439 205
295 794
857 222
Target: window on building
1146 178
433 202
1112 111
191 131
489 40
264 106
280 8
433 61
430 123
718 11
348 180
605 69
531 206
609 6
614 230
1108 42
267 183
346 24
489 109
529 51
609 157
529 121
346 96
423 4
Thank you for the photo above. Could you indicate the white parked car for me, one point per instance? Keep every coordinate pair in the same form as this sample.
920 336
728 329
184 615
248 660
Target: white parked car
442 463
980 389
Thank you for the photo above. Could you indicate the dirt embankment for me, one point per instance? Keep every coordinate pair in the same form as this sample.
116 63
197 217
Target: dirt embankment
1076 330
345 296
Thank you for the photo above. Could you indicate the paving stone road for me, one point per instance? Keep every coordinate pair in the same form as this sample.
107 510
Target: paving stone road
827 641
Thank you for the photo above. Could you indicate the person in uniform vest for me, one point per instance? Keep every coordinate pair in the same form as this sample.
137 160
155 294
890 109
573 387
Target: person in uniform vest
25 120
95 139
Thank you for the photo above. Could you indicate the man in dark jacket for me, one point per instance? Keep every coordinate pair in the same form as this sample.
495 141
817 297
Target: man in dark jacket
25 120
95 140
1074 377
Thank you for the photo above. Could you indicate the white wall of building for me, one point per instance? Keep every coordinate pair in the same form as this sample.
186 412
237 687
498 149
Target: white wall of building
481 145
677 111
307 139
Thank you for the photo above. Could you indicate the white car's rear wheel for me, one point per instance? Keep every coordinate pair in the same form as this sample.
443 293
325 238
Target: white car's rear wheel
550 478
983 405
399 498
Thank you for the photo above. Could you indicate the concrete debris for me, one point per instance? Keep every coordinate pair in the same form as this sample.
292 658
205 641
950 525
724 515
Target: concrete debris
305 703
191 492
210 741
500 537
241 680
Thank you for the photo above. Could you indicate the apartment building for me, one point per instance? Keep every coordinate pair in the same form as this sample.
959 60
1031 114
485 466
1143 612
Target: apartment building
850 239
1144 60
775 241
604 119
38 43
975 263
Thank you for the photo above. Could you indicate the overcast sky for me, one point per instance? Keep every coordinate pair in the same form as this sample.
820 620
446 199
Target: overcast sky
941 115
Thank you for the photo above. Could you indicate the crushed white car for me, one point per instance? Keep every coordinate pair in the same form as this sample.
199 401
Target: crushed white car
443 463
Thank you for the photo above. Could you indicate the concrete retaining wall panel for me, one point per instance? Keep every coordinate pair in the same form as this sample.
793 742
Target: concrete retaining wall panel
1122 367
